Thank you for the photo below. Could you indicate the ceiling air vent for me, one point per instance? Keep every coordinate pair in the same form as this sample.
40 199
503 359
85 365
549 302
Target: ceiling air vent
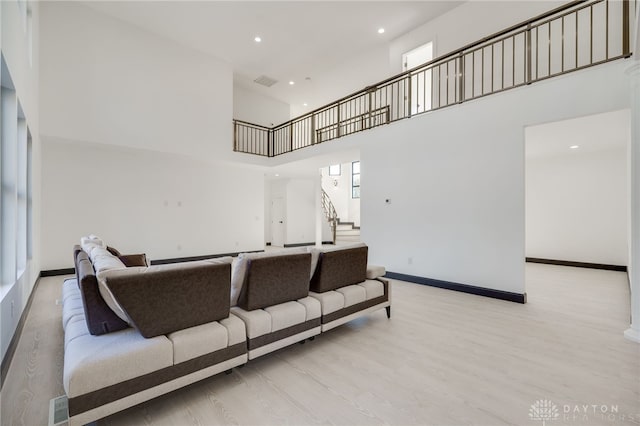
265 81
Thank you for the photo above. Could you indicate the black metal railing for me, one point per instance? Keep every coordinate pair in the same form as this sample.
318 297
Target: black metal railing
575 36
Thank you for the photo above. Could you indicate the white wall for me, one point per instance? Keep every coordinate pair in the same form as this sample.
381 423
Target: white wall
456 180
576 207
133 125
256 108
165 205
24 73
106 81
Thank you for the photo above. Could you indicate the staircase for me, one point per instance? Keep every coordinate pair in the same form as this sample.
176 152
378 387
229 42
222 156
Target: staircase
342 232
347 232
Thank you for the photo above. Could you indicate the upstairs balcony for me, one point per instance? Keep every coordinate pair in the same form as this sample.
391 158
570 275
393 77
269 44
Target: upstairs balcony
573 37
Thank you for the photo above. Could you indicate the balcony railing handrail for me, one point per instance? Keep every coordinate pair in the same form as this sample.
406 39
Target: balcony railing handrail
437 60
259 126
300 131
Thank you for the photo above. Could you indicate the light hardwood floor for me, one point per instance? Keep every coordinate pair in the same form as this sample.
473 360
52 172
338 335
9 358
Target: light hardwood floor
444 358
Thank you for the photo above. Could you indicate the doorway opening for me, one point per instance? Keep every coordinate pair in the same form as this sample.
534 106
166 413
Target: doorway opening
421 83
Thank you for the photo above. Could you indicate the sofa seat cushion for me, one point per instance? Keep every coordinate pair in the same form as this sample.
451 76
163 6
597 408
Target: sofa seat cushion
72 306
73 309
374 288
95 362
286 315
330 301
312 306
260 322
197 341
207 338
257 322
237 332
76 327
70 289
353 294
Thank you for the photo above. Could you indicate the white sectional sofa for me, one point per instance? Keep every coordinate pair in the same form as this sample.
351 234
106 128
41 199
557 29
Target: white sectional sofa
134 332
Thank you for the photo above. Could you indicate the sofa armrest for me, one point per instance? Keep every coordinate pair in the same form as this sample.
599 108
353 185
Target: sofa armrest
100 318
131 260
375 271
166 298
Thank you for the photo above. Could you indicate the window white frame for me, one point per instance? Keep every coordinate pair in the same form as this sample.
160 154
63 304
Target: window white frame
9 177
355 179
16 185
21 187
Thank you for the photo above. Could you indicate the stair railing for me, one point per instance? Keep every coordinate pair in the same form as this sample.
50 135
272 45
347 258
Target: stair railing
577 35
330 214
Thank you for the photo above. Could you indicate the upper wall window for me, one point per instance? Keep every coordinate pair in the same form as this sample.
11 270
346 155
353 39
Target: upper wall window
335 170
355 179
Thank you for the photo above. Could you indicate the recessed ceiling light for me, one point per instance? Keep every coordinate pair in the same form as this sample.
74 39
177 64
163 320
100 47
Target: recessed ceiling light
380 30
277 175
291 83
257 39
305 104
574 146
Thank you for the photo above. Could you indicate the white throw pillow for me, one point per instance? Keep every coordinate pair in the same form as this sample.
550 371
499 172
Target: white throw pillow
102 260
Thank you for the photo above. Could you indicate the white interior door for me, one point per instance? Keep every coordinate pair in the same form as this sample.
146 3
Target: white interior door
277 222
421 82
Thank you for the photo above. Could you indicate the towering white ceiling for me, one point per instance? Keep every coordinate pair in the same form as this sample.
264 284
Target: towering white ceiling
300 39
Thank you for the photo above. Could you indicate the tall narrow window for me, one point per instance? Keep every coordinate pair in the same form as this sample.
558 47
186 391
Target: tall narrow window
21 237
9 174
355 179
29 196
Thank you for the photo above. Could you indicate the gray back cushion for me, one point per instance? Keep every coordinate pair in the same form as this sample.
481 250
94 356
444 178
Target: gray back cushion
340 268
273 280
168 298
